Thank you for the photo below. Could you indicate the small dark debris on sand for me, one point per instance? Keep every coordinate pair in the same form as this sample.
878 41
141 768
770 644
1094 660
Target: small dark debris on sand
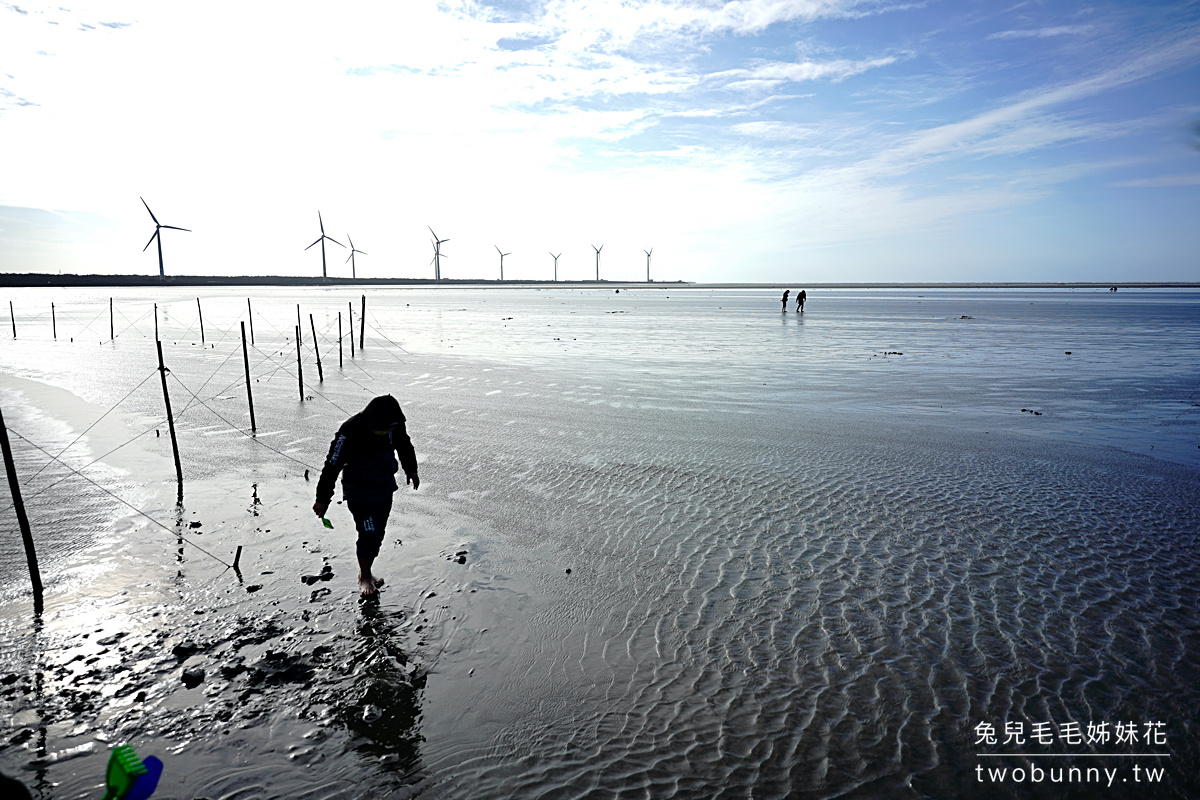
185 650
193 677
1031 411
325 575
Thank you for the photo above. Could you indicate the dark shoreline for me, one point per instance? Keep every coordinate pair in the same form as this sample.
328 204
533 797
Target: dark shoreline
33 279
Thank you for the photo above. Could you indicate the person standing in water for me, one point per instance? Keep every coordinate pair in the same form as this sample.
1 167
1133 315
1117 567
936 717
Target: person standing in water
800 298
364 452
786 292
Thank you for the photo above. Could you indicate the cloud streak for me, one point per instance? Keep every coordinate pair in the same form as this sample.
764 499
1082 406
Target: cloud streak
1161 181
769 75
1043 33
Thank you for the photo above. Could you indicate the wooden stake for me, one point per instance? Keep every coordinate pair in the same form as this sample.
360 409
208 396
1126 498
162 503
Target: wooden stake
299 324
112 337
339 340
362 324
162 371
249 394
351 305
53 322
320 372
156 322
13 317
250 316
299 364
201 320
35 575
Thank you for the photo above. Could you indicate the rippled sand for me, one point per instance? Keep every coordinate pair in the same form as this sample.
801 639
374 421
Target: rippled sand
708 549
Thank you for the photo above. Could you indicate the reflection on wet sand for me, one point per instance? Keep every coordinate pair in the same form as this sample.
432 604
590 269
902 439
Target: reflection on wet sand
385 708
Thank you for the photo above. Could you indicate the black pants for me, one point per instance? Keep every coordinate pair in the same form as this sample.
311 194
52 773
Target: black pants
370 519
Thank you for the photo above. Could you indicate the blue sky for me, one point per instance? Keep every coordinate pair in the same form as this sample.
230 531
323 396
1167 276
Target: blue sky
752 141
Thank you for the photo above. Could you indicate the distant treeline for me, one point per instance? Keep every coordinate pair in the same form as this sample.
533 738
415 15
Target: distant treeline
43 279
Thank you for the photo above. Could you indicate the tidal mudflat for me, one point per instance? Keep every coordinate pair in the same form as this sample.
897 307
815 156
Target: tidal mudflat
668 542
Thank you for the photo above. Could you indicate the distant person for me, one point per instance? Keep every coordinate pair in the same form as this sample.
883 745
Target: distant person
800 298
786 292
364 451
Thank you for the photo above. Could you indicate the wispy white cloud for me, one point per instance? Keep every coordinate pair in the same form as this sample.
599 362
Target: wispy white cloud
1161 181
617 23
1044 33
1027 121
718 109
771 74
777 131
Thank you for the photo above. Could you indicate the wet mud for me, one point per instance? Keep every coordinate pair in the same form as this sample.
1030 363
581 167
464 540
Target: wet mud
673 569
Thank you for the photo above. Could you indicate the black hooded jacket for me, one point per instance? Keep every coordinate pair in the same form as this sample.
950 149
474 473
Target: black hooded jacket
367 460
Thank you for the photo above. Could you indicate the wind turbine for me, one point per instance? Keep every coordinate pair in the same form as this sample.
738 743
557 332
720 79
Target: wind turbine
598 249
648 252
158 227
438 255
353 266
555 266
502 255
322 241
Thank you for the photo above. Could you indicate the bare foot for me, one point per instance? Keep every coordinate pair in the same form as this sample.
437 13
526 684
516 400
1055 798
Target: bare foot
367 586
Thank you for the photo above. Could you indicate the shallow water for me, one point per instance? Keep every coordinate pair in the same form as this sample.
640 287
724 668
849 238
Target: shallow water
809 554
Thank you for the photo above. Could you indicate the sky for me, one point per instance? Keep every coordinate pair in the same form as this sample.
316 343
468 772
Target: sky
750 141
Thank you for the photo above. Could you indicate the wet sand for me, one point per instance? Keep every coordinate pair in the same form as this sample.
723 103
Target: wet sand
800 563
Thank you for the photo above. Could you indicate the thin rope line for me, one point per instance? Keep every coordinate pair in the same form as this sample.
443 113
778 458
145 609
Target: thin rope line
97 422
132 324
95 460
378 331
265 319
252 438
89 325
121 500
220 367
309 388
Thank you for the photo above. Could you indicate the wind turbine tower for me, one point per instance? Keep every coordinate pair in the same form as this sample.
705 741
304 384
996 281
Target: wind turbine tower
158 227
598 249
555 266
648 252
322 243
502 255
438 255
353 250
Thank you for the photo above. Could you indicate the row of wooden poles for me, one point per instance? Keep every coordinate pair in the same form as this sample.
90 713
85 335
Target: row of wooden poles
10 465
112 335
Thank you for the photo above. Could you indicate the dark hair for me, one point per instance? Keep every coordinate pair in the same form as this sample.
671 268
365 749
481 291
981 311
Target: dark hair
14 789
383 412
